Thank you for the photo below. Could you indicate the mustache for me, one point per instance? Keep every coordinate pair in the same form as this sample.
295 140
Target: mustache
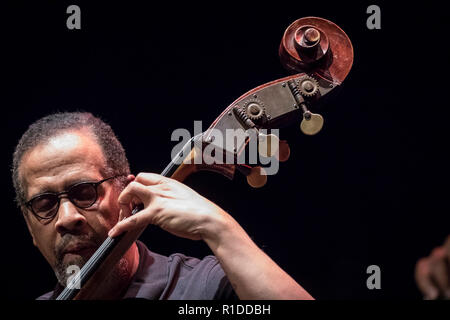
71 240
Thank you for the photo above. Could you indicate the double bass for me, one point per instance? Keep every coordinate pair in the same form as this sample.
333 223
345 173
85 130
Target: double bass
319 55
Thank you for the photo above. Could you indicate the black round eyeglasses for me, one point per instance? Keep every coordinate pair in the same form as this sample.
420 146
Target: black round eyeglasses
82 195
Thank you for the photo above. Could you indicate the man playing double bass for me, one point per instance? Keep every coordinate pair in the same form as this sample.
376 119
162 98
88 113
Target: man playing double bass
74 188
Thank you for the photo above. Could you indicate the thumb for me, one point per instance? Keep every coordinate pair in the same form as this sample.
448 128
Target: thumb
125 211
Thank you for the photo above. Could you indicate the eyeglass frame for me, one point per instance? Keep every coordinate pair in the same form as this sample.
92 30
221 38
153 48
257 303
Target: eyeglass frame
28 204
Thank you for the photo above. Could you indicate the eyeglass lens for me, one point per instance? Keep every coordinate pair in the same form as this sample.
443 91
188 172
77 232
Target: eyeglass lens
82 195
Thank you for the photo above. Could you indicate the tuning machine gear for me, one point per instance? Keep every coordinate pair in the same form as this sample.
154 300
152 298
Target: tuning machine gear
268 144
254 109
308 86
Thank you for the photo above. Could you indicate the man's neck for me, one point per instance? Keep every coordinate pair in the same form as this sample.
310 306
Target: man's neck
124 273
115 285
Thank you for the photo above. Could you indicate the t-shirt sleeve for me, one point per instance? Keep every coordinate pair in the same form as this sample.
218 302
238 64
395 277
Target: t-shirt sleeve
218 287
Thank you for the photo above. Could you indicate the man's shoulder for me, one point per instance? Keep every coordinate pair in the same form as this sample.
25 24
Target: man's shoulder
191 263
182 276
179 261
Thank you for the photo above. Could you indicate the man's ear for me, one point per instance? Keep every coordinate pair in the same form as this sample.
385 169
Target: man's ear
130 178
26 217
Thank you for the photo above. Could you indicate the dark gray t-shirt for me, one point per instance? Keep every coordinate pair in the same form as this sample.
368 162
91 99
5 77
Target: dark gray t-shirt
176 277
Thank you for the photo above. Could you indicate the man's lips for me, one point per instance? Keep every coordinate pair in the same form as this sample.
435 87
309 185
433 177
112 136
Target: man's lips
78 249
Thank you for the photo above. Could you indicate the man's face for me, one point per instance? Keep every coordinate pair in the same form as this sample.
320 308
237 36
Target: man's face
74 234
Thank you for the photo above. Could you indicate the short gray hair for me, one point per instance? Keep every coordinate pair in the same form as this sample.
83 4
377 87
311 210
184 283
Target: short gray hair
54 124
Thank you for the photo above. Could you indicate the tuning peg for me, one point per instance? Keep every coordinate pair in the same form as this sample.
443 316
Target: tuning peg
268 144
312 123
257 177
284 151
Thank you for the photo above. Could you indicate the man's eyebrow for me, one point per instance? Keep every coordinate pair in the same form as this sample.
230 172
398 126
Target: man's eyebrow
71 182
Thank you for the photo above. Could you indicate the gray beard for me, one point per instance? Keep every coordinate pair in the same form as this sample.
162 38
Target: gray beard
64 271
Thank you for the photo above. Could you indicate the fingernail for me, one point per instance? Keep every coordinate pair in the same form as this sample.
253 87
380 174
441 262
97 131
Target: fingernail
111 233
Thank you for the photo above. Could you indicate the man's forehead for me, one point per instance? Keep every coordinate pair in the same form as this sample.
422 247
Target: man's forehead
65 141
64 155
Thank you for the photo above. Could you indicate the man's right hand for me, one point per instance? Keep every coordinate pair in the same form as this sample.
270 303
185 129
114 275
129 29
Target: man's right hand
433 273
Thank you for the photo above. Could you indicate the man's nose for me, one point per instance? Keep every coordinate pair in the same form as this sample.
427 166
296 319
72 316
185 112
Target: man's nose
69 219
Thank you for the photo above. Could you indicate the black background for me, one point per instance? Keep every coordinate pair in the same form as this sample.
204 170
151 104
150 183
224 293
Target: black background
371 188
